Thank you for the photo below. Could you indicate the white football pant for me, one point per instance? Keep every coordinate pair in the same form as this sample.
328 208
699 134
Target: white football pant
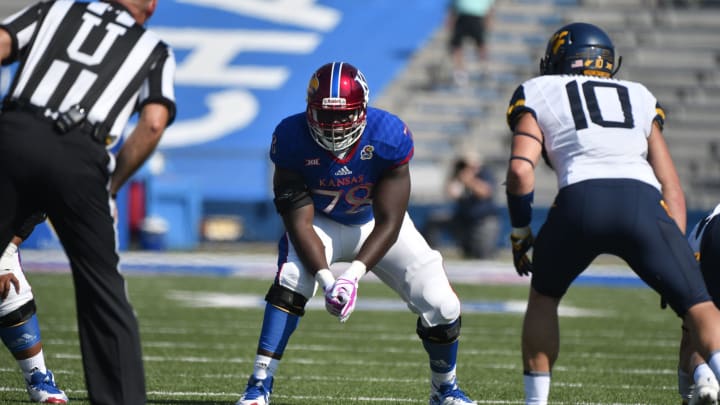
411 268
10 262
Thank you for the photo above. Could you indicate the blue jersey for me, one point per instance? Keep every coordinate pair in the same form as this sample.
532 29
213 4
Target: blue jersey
342 189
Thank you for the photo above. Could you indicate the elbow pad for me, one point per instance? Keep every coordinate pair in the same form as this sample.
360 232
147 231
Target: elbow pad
290 197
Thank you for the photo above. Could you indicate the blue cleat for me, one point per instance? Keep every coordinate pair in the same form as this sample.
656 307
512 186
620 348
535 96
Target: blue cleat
449 394
42 389
257 392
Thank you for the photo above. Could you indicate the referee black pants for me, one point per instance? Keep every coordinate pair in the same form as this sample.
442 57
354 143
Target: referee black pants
67 176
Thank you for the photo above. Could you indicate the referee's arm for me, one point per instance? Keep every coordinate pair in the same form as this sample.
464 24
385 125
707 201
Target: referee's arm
154 117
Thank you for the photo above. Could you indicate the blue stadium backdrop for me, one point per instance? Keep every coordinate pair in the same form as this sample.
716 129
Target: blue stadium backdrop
241 67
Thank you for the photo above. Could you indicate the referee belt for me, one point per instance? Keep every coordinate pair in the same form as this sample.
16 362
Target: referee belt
97 132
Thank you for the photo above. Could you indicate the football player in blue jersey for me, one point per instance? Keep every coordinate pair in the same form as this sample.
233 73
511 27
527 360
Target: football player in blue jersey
619 193
697 383
342 185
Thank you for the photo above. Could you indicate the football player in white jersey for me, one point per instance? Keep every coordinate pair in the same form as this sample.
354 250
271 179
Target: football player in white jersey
619 194
696 381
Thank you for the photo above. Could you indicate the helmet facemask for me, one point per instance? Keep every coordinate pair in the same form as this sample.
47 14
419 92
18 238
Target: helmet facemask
336 129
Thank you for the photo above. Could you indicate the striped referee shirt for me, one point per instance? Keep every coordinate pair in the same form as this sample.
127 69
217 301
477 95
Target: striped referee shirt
91 54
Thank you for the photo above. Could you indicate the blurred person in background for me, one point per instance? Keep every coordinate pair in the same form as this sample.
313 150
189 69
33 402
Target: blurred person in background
474 221
467 19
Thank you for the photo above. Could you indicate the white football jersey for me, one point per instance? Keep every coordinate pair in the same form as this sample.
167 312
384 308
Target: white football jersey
593 128
695 236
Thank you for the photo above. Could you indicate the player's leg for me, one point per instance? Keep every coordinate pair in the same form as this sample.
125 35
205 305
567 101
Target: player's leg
416 273
659 253
20 332
285 305
702 320
693 372
560 254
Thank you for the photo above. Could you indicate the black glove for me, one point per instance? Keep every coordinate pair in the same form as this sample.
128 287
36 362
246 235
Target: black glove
27 227
522 240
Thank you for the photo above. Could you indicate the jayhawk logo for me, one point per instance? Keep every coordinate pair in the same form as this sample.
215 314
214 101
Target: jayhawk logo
313 86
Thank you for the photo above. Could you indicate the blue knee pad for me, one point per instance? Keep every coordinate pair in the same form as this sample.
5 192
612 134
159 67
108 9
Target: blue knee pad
22 336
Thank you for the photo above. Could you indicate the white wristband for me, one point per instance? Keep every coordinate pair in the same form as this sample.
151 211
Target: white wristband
325 278
10 250
357 269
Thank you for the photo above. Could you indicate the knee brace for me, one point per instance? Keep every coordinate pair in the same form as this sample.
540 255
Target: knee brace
19 315
22 335
441 334
286 299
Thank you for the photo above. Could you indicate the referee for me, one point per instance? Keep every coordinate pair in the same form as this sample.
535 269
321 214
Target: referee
84 69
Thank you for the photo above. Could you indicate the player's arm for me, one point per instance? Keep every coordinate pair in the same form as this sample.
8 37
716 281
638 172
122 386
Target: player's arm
390 201
293 203
520 181
6 46
141 143
664 168
390 196
524 156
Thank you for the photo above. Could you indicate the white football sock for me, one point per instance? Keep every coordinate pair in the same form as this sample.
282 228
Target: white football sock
265 367
703 374
714 363
439 379
30 364
537 388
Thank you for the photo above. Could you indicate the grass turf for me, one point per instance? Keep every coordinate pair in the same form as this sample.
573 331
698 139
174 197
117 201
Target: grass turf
622 353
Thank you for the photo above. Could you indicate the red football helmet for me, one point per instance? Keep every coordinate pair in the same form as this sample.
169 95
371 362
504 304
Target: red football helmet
337 98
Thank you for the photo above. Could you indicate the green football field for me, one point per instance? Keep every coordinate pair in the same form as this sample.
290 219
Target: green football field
199 336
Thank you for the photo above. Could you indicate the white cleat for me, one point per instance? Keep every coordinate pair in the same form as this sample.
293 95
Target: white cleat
705 393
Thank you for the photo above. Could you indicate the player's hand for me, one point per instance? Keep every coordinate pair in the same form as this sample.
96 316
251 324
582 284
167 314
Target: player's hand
340 298
326 280
522 240
7 282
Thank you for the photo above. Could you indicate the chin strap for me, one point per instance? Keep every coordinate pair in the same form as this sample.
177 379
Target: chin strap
617 67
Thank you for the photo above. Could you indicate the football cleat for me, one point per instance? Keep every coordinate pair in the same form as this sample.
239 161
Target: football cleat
42 389
449 394
257 392
705 393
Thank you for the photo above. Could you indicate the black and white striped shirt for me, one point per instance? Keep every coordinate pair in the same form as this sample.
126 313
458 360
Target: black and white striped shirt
91 54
